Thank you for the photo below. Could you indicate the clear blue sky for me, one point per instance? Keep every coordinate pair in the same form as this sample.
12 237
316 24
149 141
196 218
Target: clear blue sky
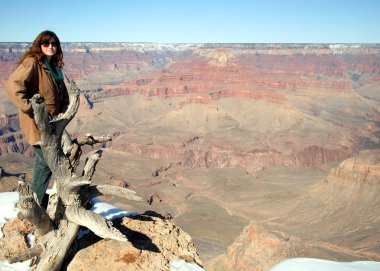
194 21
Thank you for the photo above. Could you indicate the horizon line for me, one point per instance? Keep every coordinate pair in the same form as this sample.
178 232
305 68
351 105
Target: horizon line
189 43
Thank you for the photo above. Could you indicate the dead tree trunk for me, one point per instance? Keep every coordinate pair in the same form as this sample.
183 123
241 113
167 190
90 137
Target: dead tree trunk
57 227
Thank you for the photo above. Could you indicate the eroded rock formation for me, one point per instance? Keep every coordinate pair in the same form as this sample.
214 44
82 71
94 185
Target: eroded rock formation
155 243
258 249
15 239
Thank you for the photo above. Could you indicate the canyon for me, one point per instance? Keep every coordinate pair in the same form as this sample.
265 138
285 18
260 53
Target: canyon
252 149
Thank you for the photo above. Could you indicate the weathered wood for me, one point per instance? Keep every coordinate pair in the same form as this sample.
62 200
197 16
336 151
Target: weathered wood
89 167
67 143
57 244
105 189
58 227
72 148
28 254
31 210
94 222
89 139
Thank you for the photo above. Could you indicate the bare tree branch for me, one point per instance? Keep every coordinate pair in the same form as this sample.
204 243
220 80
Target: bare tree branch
88 139
57 243
28 254
31 210
96 223
91 162
98 190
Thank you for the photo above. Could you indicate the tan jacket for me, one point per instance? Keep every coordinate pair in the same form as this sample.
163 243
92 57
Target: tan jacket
29 78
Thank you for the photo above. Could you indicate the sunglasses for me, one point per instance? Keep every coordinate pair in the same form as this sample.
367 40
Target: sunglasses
47 44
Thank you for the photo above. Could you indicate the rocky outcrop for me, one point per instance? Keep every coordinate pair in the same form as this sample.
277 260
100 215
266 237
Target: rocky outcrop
363 168
156 242
258 249
15 238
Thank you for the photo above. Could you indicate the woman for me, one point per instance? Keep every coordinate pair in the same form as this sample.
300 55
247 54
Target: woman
39 71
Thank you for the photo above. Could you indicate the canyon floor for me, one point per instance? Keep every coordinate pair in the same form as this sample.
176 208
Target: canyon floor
213 206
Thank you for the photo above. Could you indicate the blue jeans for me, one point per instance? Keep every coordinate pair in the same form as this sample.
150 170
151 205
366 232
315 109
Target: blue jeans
41 174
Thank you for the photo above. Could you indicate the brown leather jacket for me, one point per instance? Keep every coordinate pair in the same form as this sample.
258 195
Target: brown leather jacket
29 78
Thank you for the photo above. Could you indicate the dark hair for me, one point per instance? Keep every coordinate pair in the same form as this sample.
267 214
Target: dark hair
36 52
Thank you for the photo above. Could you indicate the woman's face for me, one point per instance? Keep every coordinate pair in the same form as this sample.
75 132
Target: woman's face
49 47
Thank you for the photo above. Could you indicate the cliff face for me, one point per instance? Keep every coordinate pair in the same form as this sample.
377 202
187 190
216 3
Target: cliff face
258 249
295 88
11 138
210 156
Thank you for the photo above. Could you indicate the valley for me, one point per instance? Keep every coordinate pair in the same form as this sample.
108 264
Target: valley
259 151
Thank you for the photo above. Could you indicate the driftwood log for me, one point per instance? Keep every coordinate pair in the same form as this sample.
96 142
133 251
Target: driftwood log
58 225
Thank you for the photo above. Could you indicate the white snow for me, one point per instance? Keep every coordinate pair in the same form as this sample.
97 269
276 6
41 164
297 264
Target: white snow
181 265
310 264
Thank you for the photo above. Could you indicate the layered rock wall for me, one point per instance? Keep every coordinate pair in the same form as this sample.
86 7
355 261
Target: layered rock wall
363 168
218 157
205 74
